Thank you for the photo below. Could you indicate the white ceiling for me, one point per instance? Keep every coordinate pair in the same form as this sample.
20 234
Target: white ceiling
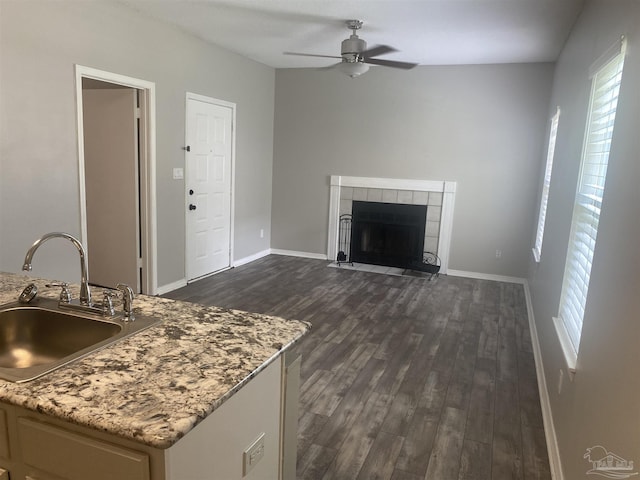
428 32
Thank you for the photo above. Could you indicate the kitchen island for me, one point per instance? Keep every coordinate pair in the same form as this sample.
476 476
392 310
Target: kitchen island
204 382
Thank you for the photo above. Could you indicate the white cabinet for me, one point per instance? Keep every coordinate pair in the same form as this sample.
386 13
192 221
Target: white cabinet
47 448
36 447
290 401
214 448
4 437
5 453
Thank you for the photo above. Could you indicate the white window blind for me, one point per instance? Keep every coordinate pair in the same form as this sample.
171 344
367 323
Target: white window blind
546 183
588 202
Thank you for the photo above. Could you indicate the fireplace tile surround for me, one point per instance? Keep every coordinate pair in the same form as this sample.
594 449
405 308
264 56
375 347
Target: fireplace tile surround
439 196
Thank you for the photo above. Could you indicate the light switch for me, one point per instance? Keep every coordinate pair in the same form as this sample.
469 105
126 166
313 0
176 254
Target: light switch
178 173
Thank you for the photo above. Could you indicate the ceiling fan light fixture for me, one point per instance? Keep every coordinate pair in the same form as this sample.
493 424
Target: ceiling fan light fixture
353 69
356 56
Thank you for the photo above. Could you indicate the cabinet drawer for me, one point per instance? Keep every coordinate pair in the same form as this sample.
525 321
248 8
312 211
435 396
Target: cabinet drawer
4 437
76 457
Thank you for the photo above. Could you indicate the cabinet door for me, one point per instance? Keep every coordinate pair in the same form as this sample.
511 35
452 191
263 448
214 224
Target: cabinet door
76 457
4 437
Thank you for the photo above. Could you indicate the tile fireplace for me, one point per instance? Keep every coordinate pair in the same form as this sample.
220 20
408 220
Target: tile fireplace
434 200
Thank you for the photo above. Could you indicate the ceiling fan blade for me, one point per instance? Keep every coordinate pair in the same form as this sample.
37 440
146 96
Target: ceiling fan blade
377 50
390 63
309 55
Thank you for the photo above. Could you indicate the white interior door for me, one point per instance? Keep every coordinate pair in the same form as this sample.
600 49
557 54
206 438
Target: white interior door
111 179
208 185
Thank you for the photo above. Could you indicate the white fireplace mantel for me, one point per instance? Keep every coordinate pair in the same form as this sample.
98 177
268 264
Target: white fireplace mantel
448 190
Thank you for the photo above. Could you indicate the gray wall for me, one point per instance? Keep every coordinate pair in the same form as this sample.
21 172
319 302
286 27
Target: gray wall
480 126
600 406
39 44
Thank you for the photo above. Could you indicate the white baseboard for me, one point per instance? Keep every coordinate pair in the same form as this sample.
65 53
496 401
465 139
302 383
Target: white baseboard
555 462
171 287
251 258
183 282
486 276
294 253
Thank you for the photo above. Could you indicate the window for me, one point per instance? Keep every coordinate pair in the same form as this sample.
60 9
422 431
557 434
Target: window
588 202
553 132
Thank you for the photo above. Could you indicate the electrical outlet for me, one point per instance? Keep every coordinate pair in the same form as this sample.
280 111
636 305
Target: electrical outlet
262 233
498 253
252 455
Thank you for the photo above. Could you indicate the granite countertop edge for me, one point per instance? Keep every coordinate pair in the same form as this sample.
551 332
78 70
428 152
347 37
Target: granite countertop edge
157 385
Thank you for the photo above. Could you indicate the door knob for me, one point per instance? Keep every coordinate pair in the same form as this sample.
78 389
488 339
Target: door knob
192 206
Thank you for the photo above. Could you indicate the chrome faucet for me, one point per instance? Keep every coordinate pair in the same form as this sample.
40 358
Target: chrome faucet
85 293
85 304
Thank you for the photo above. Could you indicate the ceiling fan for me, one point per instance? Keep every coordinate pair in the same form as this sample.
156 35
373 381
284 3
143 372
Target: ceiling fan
355 56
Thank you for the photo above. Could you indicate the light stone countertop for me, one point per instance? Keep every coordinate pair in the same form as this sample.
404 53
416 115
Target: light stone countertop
155 386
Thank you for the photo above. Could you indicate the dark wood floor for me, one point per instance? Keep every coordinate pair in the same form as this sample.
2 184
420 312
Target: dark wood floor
402 378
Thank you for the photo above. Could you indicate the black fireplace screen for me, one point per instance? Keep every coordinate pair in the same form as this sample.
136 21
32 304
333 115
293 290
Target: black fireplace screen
388 233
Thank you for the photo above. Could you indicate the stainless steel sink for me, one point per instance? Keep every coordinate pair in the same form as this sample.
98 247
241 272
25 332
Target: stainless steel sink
38 338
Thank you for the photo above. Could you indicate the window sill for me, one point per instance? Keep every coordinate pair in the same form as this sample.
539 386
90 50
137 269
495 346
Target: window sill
570 354
536 255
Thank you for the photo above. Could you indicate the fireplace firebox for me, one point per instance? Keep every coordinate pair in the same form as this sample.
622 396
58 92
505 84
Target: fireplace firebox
390 234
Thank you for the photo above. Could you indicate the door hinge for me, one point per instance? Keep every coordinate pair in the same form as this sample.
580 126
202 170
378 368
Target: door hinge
138 114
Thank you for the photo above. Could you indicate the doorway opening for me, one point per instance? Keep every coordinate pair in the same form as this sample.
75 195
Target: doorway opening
116 152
